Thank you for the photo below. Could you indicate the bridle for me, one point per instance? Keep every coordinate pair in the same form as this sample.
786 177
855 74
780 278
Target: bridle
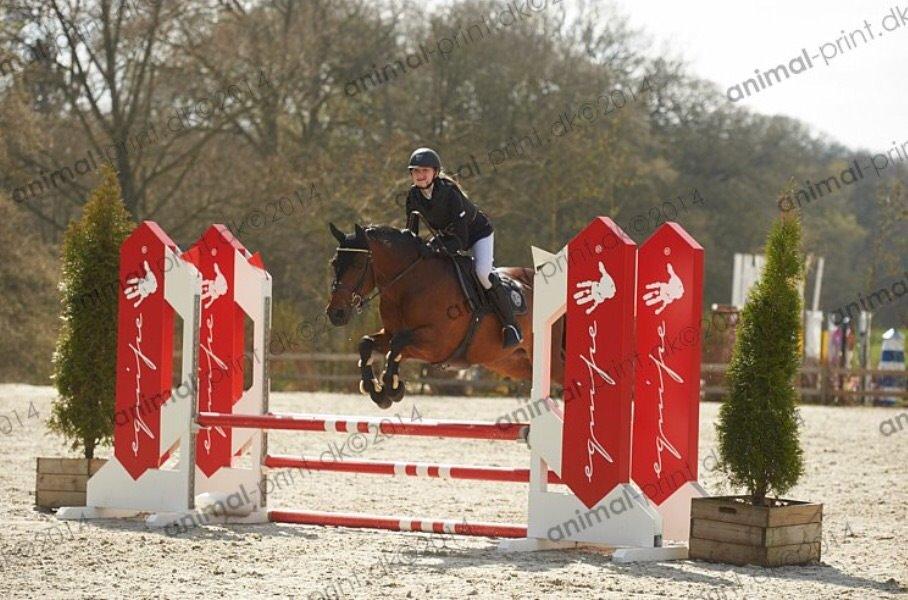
355 295
360 303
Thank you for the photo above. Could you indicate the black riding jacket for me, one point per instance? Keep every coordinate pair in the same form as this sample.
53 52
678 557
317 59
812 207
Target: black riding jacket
449 212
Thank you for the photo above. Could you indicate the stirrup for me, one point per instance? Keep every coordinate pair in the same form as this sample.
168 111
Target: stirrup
510 336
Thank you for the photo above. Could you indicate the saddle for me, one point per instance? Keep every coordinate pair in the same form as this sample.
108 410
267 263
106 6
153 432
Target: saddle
475 292
478 302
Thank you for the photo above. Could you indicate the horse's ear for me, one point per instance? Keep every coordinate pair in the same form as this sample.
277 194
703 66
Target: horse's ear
360 232
337 233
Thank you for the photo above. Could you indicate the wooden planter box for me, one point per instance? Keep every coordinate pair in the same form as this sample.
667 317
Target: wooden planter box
729 529
62 481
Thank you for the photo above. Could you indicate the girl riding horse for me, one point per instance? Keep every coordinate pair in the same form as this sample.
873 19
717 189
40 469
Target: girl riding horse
447 208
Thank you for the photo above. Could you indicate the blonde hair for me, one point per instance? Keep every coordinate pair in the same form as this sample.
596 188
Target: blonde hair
446 177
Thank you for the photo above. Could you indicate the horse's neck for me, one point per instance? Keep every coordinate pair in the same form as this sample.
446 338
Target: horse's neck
388 262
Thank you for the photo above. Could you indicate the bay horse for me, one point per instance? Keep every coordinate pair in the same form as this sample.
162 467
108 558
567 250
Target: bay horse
424 313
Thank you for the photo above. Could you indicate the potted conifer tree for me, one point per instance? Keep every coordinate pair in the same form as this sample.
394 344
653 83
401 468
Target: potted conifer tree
758 426
84 361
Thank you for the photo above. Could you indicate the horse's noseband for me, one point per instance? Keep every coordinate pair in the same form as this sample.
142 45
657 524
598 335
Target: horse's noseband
356 296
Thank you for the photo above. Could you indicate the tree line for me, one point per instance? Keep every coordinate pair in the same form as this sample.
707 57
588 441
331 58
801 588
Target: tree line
277 117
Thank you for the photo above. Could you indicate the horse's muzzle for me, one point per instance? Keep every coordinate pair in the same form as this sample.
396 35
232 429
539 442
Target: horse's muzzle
338 316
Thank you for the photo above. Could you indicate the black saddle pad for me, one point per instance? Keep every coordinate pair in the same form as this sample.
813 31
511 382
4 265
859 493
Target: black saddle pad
476 293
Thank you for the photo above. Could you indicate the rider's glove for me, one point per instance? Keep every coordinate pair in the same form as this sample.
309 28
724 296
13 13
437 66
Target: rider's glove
421 247
446 244
424 250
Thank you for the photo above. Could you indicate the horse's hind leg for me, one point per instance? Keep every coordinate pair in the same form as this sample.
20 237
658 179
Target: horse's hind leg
369 383
394 387
517 365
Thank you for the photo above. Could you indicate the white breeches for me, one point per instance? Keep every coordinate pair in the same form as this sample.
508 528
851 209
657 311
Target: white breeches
483 254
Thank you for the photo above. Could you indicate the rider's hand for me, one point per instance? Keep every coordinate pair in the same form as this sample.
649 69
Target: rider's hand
445 244
421 248
452 244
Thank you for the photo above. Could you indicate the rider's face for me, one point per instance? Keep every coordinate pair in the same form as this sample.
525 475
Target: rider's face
422 176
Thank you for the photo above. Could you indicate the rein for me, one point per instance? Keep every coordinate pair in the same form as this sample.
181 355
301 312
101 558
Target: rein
360 302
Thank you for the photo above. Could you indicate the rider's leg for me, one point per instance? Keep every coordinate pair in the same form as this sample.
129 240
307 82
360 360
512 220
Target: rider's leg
483 257
483 251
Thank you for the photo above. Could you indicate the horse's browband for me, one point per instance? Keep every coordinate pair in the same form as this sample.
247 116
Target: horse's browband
353 250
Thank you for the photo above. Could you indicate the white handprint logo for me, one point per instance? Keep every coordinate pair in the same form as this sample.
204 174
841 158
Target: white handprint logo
595 291
141 288
212 289
666 293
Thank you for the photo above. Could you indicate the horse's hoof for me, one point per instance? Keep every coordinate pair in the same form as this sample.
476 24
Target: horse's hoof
395 389
371 387
375 391
381 400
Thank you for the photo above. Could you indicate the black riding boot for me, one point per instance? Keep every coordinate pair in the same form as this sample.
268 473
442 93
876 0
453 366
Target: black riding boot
499 294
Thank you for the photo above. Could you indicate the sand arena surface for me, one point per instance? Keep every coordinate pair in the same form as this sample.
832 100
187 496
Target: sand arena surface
858 473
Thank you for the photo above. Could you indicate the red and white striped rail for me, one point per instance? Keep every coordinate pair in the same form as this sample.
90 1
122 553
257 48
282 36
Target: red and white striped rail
479 430
393 523
406 469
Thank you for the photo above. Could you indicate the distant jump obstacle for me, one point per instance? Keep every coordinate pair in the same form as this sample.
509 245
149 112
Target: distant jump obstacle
623 441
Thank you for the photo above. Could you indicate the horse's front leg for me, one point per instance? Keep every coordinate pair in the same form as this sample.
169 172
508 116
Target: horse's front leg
369 383
402 343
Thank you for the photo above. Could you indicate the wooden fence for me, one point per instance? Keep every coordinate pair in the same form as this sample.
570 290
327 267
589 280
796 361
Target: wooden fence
820 384
338 372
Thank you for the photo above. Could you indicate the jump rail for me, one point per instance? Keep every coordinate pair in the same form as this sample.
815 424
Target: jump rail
304 517
476 430
406 469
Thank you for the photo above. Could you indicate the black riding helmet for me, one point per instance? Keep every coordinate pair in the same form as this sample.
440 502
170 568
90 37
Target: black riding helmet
425 157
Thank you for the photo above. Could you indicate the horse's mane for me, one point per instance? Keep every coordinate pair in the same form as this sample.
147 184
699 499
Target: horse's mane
390 236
